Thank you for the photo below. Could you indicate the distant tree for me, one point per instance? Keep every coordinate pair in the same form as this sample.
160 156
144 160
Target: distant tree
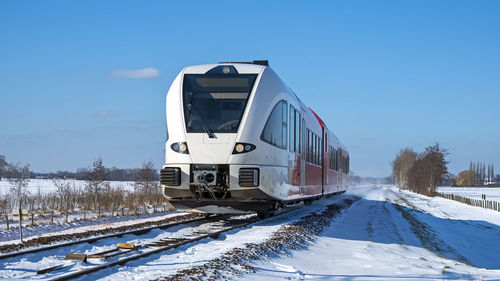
82 174
95 183
3 164
428 170
18 178
466 178
401 166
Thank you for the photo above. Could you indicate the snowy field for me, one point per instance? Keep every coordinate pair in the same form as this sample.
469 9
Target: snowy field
385 234
47 186
492 193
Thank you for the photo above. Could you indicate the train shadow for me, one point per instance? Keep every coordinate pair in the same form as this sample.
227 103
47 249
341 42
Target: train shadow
473 242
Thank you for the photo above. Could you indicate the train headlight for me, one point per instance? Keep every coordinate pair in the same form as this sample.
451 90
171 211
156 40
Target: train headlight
180 147
243 148
239 148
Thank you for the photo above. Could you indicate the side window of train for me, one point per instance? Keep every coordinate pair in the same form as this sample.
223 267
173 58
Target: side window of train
303 132
309 146
297 131
275 130
293 127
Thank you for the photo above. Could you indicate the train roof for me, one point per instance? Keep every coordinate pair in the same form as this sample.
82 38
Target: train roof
241 67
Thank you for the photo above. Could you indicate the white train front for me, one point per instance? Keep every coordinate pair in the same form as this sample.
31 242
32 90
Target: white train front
239 139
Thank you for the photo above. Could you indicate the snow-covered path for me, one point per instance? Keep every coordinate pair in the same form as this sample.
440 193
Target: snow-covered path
393 235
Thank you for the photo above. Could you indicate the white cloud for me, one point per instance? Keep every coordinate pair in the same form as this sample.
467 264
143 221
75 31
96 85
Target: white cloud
106 114
143 73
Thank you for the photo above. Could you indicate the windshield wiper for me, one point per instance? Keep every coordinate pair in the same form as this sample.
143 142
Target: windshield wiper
207 129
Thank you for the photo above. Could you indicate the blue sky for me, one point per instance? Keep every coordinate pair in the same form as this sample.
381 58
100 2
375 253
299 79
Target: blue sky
383 75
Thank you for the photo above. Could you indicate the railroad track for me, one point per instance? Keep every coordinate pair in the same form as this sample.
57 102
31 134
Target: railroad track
69 260
77 264
100 237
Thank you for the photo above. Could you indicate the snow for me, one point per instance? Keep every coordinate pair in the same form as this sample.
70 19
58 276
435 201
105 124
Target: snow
11 236
47 186
492 193
372 240
387 234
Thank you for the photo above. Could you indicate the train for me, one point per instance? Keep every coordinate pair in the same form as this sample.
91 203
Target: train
240 140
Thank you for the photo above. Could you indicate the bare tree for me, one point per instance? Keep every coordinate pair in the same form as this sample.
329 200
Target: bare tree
401 165
146 184
6 207
466 178
428 170
18 178
95 182
117 198
64 192
3 164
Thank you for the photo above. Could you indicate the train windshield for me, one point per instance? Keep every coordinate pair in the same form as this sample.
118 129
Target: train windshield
215 102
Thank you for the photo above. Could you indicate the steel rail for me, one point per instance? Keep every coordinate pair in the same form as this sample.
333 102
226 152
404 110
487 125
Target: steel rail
164 248
93 239
148 253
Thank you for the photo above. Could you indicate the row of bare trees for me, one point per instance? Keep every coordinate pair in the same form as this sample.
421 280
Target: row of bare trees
97 195
420 172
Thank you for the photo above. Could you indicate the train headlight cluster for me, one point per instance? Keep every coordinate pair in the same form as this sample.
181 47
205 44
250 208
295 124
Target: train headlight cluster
180 147
243 147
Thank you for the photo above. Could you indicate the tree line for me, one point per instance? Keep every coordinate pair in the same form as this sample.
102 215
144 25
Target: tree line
97 196
420 172
111 174
478 174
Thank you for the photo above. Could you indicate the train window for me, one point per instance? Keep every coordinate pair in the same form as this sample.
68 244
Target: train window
292 128
297 131
215 101
320 152
303 132
331 158
275 130
315 143
314 149
284 124
309 146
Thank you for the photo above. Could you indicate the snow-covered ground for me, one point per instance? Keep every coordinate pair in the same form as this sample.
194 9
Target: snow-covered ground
47 186
492 193
386 234
393 235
